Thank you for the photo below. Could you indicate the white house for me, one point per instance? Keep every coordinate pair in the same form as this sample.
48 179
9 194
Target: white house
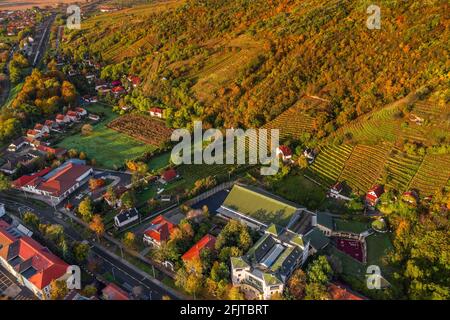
126 217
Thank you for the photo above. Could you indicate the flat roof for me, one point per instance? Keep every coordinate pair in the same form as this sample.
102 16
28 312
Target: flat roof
260 205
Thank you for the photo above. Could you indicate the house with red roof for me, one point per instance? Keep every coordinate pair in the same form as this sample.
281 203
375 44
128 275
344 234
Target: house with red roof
118 90
340 292
41 128
168 176
73 116
156 112
374 194
159 231
134 80
57 152
33 134
62 119
33 265
56 184
114 292
207 242
81 112
284 152
52 125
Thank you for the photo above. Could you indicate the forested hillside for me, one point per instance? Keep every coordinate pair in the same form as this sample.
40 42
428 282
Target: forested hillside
243 62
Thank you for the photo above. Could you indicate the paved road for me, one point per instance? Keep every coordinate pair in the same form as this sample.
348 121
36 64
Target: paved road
43 42
125 273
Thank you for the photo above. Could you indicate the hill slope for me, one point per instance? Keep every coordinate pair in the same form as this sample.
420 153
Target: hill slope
246 61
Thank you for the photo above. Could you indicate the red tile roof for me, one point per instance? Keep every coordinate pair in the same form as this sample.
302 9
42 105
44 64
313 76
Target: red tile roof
113 292
207 242
286 151
156 110
27 179
118 89
48 266
72 114
58 183
169 174
339 292
64 179
135 80
160 229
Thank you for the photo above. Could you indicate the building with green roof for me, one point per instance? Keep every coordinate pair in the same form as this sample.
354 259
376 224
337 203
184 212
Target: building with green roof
257 207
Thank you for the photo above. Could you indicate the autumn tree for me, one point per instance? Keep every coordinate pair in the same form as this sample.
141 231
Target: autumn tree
129 240
97 226
58 289
5 182
296 284
31 219
86 209
81 251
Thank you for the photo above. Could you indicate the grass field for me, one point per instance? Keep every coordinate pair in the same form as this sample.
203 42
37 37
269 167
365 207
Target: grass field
13 94
298 189
108 147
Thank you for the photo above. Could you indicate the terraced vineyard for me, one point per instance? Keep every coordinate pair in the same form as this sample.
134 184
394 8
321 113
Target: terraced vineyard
330 162
433 174
364 166
291 123
295 121
375 128
400 169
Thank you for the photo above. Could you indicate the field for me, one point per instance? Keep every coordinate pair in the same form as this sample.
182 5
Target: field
109 148
330 162
312 195
223 65
291 123
141 127
433 174
363 167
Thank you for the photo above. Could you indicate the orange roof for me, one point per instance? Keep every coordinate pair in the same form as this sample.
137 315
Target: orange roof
48 267
160 229
207 242
27 179
113 292
339 292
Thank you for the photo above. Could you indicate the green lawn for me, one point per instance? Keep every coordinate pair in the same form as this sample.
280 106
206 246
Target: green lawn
300 190
108 147
378 246
13 94
351 226
160 161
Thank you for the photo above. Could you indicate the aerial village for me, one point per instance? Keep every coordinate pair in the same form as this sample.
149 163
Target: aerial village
90 183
